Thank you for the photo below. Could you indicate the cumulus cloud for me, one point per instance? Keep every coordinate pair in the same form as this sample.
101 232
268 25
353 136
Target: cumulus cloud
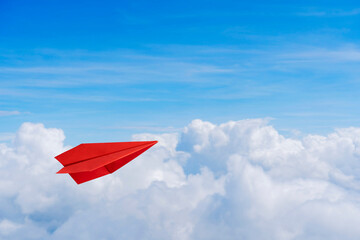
237 180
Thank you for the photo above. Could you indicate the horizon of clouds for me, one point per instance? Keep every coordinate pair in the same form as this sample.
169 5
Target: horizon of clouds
237 179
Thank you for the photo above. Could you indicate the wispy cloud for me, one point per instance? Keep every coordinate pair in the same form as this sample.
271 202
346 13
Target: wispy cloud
125 69
9 113
7 136
177 75
330 12
146 128
324 55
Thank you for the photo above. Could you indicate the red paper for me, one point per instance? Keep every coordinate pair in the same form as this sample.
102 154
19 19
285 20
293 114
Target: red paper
88 161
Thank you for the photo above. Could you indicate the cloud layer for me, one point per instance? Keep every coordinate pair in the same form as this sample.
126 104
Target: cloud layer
236 180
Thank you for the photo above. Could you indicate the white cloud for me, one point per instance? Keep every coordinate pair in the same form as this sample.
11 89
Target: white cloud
236 180
7 227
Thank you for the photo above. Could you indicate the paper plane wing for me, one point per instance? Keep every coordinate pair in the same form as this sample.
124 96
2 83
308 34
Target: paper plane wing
88 161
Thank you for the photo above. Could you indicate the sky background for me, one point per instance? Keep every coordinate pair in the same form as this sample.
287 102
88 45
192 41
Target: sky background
103 70
254 105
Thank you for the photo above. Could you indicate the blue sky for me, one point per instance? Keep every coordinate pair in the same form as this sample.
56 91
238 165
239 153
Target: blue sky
103 70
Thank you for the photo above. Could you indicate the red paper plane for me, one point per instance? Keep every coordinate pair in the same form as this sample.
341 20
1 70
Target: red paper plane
88 161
